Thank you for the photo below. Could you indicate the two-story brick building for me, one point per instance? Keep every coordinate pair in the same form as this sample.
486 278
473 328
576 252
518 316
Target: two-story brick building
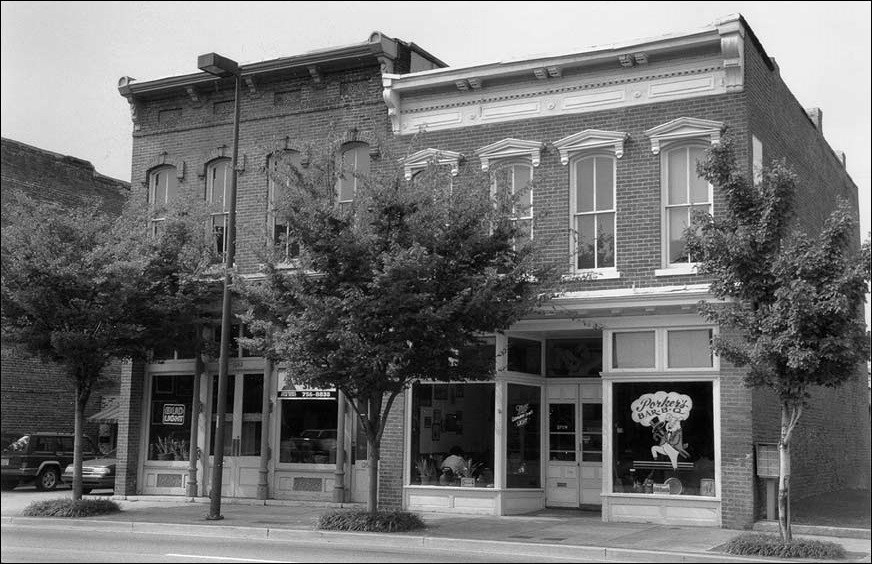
610 399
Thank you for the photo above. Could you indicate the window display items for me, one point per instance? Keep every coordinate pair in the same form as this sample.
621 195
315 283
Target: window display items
664 412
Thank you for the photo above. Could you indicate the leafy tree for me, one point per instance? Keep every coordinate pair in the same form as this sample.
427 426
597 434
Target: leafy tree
80 288
793 312
392 287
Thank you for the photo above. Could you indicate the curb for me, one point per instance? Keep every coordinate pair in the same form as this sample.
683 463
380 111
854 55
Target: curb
387 540
815 530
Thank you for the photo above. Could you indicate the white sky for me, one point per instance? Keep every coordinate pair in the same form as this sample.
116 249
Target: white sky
61 60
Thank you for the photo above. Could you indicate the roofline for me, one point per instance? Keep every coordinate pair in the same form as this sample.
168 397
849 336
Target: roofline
377 46
438 77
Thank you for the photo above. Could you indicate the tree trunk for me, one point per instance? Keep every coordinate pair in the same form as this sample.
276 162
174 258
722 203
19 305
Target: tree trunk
78 441
790 414
372 458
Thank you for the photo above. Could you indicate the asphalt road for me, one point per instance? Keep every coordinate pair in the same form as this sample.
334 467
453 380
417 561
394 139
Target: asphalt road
35 544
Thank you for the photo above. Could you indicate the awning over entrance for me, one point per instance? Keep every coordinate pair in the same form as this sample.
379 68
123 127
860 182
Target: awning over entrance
107 415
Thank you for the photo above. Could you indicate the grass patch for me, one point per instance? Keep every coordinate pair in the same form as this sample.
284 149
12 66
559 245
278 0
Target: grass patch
362 520
756 544
67 507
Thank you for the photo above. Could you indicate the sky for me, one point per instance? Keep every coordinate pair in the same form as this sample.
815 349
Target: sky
82 48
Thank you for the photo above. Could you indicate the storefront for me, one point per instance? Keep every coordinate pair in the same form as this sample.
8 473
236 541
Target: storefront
620 415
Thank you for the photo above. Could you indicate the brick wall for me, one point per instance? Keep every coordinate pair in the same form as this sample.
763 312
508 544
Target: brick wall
831 445
129 428
390 480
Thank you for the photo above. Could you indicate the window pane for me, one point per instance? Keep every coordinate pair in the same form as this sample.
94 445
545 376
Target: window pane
308 433
633 349
605 183
159 187
561 435
452 424
584 185
592 432
663 438
169 428
523 437
219 233
522 188
699 187
218 182
586 226
677 176
677 222
605 246
575 358
690 349
524 356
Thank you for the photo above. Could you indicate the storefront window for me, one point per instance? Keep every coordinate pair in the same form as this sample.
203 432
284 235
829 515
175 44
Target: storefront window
663 438
169 429
524 356
523 448
453 434
575 358
308 429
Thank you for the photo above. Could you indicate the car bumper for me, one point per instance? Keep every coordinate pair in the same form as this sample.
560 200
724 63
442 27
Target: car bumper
91 481
18 473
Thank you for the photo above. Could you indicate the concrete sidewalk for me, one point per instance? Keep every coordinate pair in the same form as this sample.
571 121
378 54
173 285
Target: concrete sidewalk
553 532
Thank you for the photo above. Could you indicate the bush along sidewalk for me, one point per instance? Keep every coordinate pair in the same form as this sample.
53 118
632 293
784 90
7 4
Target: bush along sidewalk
756 544
363 520
67 507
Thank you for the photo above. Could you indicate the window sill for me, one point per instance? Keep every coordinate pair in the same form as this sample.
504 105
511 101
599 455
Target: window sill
678 270
593 274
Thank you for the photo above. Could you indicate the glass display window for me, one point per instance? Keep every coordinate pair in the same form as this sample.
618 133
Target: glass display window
523 436
169 429
663 438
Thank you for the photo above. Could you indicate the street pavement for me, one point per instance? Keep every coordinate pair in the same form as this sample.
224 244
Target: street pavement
552 532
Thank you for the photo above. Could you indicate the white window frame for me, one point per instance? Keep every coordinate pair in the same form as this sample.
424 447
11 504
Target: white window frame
661 350
670 135
685 267
357 148
511 164
574 214
211 167
271 212
169 172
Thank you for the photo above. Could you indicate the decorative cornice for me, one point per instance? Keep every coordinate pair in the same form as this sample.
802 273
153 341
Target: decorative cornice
684 128
425 157
509 148
590 139
392 101
733 50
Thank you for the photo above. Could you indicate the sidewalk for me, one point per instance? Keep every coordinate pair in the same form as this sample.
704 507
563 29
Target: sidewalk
553 532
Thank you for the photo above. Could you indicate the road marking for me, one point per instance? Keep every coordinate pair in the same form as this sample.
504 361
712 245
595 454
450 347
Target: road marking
222 558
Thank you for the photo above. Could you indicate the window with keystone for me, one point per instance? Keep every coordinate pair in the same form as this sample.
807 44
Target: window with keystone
355 162
286 247
217 185
163 188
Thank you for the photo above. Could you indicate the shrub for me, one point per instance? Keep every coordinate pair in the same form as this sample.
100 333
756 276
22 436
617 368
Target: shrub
362 520
756 544
67 507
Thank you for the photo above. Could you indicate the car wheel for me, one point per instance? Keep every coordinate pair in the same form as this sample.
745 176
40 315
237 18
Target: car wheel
48 479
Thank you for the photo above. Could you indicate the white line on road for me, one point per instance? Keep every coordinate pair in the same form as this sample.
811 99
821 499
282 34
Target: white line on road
223 558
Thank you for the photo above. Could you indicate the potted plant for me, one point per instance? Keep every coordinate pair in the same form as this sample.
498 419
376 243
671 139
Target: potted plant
470 472
180 449
426 470
164 449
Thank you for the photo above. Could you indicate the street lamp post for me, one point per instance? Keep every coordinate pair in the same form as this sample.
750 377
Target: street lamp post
223 67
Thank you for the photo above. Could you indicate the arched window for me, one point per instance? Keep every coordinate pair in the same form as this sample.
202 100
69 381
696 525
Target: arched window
163 188
217 196
354 161
515 180
592 200
286 247
684 192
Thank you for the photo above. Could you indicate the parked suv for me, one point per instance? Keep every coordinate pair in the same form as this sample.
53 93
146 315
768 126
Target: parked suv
40 458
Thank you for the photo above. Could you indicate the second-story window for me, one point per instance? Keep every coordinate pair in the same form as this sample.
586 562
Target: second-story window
516 180
163 188
217 196
287 248
354 161
684 192
592 198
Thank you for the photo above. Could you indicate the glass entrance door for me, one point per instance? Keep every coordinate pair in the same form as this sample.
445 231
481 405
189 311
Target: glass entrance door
243 425
574 445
